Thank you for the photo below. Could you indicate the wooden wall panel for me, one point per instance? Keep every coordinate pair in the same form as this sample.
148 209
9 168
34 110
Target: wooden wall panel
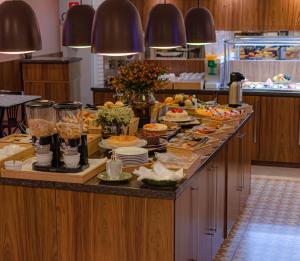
96 227
27 224
179 66
239 15
10 75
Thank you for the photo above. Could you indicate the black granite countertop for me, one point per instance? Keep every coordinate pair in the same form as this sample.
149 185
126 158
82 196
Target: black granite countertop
221 91
134 188
51 60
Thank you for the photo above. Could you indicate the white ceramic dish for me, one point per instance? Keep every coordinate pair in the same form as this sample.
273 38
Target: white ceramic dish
131 151
164 118
13 165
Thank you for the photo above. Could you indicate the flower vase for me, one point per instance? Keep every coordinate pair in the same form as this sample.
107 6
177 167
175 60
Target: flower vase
141 105
112 130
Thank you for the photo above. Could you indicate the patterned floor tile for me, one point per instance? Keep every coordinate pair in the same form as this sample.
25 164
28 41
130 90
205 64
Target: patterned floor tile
269 228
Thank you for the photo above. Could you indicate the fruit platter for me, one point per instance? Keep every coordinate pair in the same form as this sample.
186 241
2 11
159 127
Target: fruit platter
282 79
182 101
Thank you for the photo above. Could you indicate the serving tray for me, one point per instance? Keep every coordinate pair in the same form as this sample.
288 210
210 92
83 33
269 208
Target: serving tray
96 166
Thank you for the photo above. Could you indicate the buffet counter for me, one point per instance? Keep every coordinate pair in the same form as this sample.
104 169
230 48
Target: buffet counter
93 221
276 125
101 94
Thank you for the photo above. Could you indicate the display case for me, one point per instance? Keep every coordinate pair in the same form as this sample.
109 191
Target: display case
261 58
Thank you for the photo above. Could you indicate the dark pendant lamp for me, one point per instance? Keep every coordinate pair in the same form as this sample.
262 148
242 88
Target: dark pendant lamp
77 28
200 26
165 27
19 29
117 29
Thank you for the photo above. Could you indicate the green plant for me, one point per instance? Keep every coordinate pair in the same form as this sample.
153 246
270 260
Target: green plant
120 116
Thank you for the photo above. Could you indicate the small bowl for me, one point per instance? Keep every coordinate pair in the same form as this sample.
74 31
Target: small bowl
13 165
44 159
72 160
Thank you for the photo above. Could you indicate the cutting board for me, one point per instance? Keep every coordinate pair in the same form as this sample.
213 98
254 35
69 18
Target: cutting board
96 167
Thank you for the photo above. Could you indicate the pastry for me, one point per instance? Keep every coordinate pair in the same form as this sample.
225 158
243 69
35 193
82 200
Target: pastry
123 141
155 127
169 101
177 115
119 104
108 105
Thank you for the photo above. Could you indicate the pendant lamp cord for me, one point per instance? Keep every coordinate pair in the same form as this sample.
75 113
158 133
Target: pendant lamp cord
198 3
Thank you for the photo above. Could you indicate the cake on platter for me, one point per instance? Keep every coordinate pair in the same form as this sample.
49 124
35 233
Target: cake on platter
177 115
155 127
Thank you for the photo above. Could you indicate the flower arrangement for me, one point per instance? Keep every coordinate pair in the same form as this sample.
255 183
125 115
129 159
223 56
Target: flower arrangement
116 116
139 77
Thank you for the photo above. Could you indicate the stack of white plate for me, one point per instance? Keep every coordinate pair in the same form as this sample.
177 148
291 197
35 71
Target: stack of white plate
132 156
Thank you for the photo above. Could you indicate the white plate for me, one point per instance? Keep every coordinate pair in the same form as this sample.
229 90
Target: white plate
164 118
104 145
131 151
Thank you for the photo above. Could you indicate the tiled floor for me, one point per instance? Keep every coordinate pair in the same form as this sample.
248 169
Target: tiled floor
269 228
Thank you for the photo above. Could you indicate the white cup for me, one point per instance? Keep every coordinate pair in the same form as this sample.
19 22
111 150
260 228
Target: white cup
72 160
44 159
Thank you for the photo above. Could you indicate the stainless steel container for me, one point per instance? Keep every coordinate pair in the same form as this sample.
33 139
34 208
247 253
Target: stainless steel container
235 89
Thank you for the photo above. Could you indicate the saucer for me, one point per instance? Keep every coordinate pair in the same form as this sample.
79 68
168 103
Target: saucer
124 177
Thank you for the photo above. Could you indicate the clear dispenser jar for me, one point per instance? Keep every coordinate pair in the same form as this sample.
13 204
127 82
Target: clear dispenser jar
69 123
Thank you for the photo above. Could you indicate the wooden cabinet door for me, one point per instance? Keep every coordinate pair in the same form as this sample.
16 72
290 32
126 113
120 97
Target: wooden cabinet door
254 126
38 89
296 153
187 223
233 183
219 201
58 92
205 215
223 99
245 167
279 130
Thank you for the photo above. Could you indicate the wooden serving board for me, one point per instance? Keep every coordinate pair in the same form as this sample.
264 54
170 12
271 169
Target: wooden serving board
17 139
26 153
96 167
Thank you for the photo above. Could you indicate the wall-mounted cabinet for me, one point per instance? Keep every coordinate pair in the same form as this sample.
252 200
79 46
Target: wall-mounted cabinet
52 78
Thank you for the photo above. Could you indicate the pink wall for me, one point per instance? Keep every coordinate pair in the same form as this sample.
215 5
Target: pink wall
47 13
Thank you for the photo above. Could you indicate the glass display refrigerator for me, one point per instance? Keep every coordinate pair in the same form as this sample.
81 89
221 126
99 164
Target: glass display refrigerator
266 62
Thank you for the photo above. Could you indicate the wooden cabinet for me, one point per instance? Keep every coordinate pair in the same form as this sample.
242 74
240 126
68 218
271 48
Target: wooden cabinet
238 176
279 130
199 225
253 127
296 150
55 79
